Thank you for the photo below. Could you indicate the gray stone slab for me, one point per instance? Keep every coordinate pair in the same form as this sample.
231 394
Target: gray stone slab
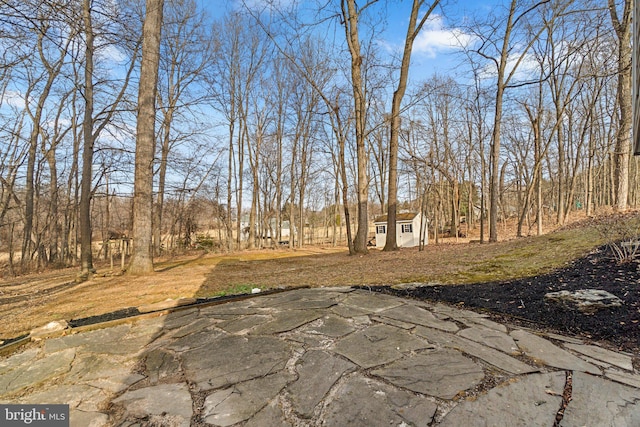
161 364
361 321
331 326
349 311
623 377
491 337
245 307
301 299
611 357
489 355
78 396
116 383
362 402
564 338
522 402
482 322
194 340
192 327
242 401
308 340
163 404
243 323
598 402
456 313
392 322
88 418
180 318
37 372
313 304
587 301
543 351
377 345
117 340
89 338
146 329
270 415
317 371
93 366
232 359
370 302
285 321
18 359
439 373
338 289
418 316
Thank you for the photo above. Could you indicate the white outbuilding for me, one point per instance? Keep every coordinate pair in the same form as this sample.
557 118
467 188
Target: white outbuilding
411 228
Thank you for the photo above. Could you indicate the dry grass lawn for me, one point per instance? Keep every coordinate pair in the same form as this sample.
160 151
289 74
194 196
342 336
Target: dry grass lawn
27 302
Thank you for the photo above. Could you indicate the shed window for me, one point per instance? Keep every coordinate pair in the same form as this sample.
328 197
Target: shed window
381 229
407 228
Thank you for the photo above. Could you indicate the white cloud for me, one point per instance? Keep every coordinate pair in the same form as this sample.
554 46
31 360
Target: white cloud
435 38
528 68
113 54
263 5
14 99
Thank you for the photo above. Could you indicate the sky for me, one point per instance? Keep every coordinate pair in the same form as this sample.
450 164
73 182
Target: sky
434 49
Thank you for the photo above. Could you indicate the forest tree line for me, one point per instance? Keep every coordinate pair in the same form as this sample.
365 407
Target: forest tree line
298 111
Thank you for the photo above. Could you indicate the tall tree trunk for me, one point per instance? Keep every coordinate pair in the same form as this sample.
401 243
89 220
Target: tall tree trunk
86 253
392 200
623 138
142 258
350 17
162 174
229 220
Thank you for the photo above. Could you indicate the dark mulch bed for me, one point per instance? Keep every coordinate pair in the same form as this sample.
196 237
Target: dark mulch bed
522 301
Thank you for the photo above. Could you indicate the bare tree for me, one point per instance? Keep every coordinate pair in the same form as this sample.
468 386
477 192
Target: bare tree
350 18
92 126
501 38
142 258
186 51
622 26
413 30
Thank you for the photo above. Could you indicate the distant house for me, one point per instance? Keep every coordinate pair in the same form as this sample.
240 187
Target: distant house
285 231
407 230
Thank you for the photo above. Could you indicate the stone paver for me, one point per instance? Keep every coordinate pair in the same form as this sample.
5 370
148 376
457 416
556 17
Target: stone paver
371 302
332 326
528 401
242 401
166 403
611 357
361 402
233 359
546 353
377 345
623 377
490 337
270 415
318 371
286 321
439 373
596 402
419 316
323 357
488 354
37 371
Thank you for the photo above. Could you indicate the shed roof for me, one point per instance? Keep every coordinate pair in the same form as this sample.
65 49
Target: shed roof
405 216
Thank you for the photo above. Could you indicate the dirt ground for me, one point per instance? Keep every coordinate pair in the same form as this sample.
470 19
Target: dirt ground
500 277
